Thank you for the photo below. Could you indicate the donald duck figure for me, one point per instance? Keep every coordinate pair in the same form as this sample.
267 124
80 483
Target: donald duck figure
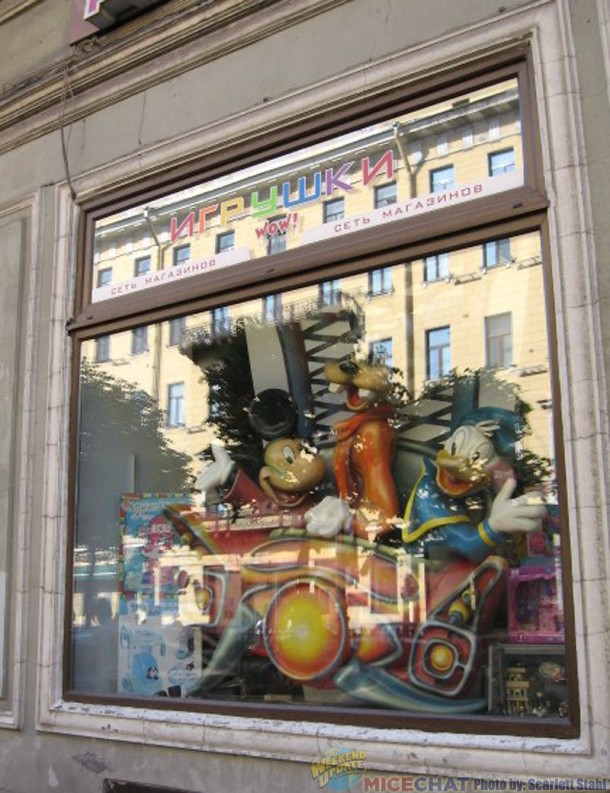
475 460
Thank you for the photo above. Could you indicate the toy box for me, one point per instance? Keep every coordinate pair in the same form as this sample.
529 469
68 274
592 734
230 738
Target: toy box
535 611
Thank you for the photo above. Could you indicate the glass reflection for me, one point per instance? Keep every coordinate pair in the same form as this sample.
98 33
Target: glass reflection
304 499
420 162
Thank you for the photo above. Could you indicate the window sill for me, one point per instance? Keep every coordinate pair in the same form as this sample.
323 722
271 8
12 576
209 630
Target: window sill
303 741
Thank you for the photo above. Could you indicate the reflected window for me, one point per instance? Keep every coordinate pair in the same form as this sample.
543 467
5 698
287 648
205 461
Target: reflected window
272 308
380 281
438 352
175 405
382 352
442 179
334 210
494 128
436 268
385 195
181 255
225 242
139 340
102 349
496 253
104 276
501 162
276 231
499 340
177 329
142 266
221 321
329 293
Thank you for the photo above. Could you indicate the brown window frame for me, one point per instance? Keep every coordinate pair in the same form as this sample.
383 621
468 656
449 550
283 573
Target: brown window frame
514 211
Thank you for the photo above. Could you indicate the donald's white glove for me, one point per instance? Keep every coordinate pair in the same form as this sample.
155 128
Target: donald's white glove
512 515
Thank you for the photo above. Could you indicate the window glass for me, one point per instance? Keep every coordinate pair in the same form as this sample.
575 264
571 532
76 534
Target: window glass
501 162
496 252
142 265
380 281
225 242
314 509
102 348
436 268
272 307
442 179
382 173
139 340
385 195
175 405
104 276
329 293
334 209
438 352
181 255
382 351
177 328
499 339
221 321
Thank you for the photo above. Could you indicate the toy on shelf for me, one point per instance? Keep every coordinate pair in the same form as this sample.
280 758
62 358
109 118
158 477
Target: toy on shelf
528 680
364 450
535 614
476 457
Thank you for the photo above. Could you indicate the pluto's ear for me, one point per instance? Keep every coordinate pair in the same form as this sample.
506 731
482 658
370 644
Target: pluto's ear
487 427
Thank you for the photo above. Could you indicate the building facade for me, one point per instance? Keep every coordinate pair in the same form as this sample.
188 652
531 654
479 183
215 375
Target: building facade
304 395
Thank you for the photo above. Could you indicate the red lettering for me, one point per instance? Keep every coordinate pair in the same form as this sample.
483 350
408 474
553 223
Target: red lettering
386 161
203 213
188 223
284 223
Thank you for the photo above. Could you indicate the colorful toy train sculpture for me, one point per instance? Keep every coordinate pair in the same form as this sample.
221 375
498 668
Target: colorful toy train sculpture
305 579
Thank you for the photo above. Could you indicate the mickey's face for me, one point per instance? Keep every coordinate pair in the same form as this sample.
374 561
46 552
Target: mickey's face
291 471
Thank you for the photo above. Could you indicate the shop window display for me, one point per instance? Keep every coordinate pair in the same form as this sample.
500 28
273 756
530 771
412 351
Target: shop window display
319 527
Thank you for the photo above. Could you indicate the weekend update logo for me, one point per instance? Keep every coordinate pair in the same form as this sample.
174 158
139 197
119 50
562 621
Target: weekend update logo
339 769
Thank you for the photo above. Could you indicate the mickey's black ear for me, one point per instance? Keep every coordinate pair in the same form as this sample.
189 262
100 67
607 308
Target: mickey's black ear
273 414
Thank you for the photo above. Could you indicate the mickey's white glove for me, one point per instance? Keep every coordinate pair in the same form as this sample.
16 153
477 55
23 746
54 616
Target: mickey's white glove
328 518
217 473
512 515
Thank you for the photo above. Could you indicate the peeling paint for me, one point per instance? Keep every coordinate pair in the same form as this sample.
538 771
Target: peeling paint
92 762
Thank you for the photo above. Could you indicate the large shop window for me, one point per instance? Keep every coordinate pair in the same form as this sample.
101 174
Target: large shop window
297 493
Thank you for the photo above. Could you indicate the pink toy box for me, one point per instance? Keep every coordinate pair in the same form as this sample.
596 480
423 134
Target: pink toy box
535 612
